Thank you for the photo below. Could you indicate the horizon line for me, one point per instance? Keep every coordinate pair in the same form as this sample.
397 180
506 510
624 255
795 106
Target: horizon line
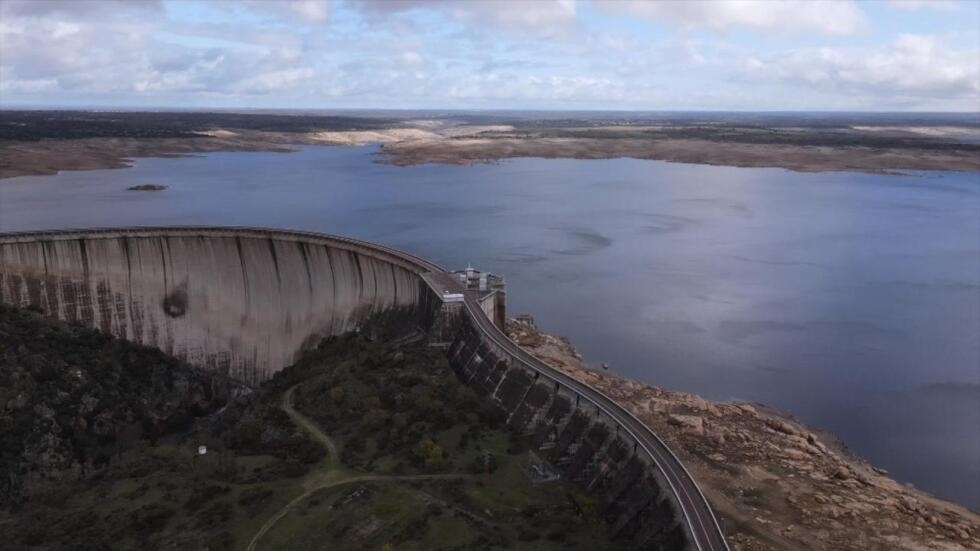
188 109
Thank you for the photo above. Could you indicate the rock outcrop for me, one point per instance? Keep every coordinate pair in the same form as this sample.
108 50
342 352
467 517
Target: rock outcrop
777 484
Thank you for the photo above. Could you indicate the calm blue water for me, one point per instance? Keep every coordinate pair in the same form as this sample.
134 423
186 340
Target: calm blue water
850 300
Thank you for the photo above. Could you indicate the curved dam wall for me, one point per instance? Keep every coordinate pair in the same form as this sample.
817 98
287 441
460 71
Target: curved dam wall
247 302
243 302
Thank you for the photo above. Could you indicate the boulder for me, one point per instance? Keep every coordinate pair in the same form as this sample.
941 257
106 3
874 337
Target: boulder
795 454
691 424
783 427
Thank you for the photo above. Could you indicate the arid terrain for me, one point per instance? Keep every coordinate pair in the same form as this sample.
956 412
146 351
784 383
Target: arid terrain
44 142
776 484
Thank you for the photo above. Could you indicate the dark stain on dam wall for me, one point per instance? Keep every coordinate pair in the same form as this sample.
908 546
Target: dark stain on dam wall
244 302
585 445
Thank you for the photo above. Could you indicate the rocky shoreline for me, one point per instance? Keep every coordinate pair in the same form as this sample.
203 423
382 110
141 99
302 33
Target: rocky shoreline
776 484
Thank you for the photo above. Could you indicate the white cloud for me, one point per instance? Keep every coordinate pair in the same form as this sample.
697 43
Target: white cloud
78 9
943 5
497 86
275 80
914 71
423 53
411 59
827 16
303 11
543 17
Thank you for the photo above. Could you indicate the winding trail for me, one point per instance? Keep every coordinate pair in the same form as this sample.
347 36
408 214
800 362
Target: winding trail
332 461
330 472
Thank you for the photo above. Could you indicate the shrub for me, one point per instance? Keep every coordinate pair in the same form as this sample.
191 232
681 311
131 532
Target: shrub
527 534
149 519
429 455
557 535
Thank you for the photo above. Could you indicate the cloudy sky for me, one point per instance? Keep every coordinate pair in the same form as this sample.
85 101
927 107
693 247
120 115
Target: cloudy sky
536 54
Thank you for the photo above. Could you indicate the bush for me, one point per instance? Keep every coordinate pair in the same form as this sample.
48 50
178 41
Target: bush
217 514
557 535
201 496
293 468
253 498
483 463
429 455
527 534
149 519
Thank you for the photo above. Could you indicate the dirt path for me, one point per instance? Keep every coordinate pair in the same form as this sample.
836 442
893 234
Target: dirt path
332 461
330 472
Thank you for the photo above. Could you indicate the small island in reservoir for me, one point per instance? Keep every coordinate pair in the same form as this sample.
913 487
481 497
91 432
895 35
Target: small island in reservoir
147 187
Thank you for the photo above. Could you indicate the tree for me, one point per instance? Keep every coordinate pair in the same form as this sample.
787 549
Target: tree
429 454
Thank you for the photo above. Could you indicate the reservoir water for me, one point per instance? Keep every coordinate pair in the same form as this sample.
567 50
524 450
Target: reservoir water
849 300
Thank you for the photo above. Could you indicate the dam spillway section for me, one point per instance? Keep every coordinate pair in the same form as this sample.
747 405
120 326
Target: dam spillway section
247 302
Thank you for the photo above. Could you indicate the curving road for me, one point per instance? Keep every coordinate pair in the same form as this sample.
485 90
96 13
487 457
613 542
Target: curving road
703 527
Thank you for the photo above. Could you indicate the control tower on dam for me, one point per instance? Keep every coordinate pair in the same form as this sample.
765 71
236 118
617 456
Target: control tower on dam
247 302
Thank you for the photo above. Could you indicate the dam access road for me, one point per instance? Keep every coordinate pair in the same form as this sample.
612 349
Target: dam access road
697 512
247 301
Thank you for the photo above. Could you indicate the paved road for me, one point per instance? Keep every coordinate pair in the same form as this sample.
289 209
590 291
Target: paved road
700 519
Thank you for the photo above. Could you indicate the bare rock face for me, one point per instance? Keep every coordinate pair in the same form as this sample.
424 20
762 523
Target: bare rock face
782 426
777 484
691 424
795 454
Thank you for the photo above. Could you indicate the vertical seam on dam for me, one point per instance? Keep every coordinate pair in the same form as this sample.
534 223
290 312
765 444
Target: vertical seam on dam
163 266
306 264
275 261
241 260
360 276
374 276
394 280
333 287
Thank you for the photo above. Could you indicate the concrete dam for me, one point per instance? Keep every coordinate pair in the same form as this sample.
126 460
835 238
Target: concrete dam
246 302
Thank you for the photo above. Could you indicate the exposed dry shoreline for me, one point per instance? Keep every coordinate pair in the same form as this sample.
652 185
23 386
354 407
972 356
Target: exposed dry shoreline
32 158
793 157
436 142
777 484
